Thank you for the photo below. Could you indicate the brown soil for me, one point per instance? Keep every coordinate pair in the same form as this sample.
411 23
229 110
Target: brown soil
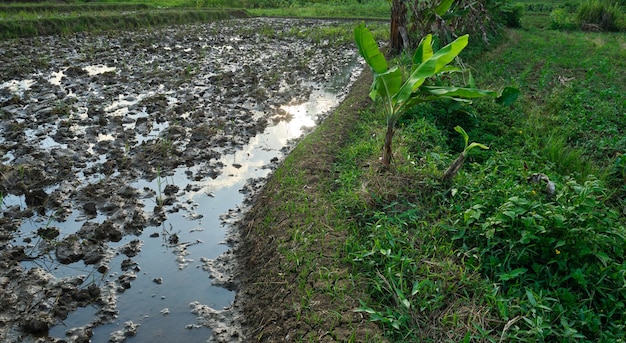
285 298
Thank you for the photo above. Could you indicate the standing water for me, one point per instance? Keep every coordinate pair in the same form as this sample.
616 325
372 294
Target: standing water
125 160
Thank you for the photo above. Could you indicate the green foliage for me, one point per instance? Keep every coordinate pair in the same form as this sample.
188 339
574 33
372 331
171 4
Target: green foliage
552 265
447 19
344 9
607 15
399 92
562 20
567 251
512 15
418 294
590 15
54 23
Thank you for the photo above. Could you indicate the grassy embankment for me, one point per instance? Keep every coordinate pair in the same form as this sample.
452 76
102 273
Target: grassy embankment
33 19
46 18
493 256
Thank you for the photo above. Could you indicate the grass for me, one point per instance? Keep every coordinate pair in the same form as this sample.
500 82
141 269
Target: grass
28 24
493 256
519 260
45 18
350 9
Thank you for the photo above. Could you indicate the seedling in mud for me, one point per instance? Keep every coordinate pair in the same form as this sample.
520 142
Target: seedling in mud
454 168
400 92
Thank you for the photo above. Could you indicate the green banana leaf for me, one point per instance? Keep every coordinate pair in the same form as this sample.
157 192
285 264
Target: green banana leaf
443 7
424 50
387 84
467 93
430 67
368 48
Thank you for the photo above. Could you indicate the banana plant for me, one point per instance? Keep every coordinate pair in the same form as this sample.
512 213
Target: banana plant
454 168
399 92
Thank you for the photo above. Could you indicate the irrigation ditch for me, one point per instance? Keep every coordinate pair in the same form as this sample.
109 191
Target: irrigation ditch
127 158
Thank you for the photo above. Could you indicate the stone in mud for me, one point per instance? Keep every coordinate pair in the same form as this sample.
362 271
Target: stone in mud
36 197
48 232
79 335
171 190
13 254
129 264
74 71
124 281
93 252
107 231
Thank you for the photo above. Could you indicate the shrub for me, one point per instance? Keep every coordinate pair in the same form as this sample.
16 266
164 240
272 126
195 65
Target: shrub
512 15
606 15
561 19
561 257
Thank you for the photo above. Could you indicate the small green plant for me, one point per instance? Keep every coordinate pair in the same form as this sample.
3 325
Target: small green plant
399 92
454 168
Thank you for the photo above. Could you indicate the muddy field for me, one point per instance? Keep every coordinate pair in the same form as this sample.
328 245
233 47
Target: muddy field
126 158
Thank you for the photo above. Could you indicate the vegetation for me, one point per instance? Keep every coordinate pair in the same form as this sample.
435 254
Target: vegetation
525 244
400 92
589 15
33 19
497 256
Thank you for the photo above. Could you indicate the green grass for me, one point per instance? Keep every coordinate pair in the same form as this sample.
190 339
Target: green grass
371 9
495 255
102 21
31 19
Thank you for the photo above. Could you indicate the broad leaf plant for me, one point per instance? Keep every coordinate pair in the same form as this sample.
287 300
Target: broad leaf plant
400 92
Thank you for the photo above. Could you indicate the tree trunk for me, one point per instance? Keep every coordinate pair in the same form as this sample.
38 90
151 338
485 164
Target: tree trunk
398 25
387 149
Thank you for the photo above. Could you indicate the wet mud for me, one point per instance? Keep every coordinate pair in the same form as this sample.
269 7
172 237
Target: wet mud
121 157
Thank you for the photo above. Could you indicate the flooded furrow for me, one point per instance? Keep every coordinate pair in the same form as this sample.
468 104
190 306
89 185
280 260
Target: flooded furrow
125 160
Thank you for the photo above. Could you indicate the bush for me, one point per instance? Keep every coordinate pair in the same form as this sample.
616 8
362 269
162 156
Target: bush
512 15
561 257
560 19
606 15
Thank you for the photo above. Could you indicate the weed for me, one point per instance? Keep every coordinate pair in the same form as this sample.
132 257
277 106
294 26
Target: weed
454 168
568 252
